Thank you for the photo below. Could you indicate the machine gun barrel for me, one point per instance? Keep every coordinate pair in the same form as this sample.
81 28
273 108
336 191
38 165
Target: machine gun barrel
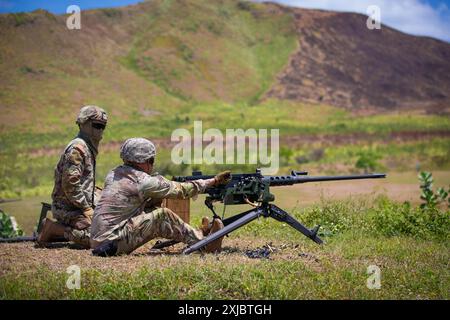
275 181
294 178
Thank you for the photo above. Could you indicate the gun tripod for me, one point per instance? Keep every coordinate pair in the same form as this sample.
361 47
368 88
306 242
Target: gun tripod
265 210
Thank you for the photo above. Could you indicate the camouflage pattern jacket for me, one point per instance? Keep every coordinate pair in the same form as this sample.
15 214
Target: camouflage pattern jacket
126 192
75 177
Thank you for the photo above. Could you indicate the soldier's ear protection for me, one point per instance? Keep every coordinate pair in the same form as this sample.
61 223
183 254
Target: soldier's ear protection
151 161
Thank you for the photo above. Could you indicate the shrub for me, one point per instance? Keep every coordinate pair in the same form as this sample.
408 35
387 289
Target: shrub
8 226
367 161
393 219
335 217
316 154
22 18
244 5
430 198
111 12
386 218
285 156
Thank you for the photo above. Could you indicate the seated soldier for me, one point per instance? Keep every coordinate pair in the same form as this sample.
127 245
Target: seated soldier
74 194
121 224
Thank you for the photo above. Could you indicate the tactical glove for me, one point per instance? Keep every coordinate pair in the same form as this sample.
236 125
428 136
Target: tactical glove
222 178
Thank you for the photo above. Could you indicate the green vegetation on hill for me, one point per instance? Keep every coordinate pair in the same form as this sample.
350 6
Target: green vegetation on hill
171 54
210 51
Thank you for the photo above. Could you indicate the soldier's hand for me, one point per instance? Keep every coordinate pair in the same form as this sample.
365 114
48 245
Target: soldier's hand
88 213
222 178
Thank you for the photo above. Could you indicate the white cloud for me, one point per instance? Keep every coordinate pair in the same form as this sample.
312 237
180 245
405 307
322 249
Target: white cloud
410 16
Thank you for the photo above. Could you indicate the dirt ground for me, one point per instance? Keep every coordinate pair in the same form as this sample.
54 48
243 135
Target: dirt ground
17 258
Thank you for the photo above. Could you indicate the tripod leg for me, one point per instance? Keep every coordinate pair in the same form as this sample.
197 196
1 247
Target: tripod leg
168 243
248 217
231 219
282 216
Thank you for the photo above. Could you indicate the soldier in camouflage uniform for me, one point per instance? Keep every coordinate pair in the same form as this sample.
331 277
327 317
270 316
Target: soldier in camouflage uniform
74 194
121 222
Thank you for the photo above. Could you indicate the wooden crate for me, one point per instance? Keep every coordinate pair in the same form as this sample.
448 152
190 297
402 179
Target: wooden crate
180 206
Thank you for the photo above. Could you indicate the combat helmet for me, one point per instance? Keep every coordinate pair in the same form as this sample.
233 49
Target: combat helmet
138 150
91 112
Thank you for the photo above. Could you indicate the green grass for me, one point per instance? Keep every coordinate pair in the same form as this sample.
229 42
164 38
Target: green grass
410 269
289 117
421 275
358 233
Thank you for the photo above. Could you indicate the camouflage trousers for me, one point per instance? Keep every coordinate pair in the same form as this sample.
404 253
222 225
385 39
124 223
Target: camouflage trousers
159 223
72 220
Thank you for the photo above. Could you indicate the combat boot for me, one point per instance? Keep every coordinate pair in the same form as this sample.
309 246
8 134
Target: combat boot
106 249
51 232
216 245
206 226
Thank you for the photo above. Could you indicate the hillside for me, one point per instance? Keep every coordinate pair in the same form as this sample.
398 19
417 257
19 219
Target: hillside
151 59
340 62
141 60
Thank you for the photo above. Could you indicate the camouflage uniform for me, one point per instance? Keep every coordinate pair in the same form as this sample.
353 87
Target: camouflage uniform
120 214
74 190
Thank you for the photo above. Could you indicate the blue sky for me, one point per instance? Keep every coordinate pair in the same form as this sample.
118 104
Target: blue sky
419 17
58 6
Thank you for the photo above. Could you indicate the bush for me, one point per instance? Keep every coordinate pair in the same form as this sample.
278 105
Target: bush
8 226
368 161
393 219
430 198
111 12
285 156
316 154
386 218
313 156
244 5
336 217
22 18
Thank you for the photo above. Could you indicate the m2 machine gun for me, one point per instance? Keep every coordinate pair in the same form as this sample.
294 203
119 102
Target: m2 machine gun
254 189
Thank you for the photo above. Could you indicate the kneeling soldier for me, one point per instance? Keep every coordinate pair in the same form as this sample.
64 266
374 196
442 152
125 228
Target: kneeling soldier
121 223
74 194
